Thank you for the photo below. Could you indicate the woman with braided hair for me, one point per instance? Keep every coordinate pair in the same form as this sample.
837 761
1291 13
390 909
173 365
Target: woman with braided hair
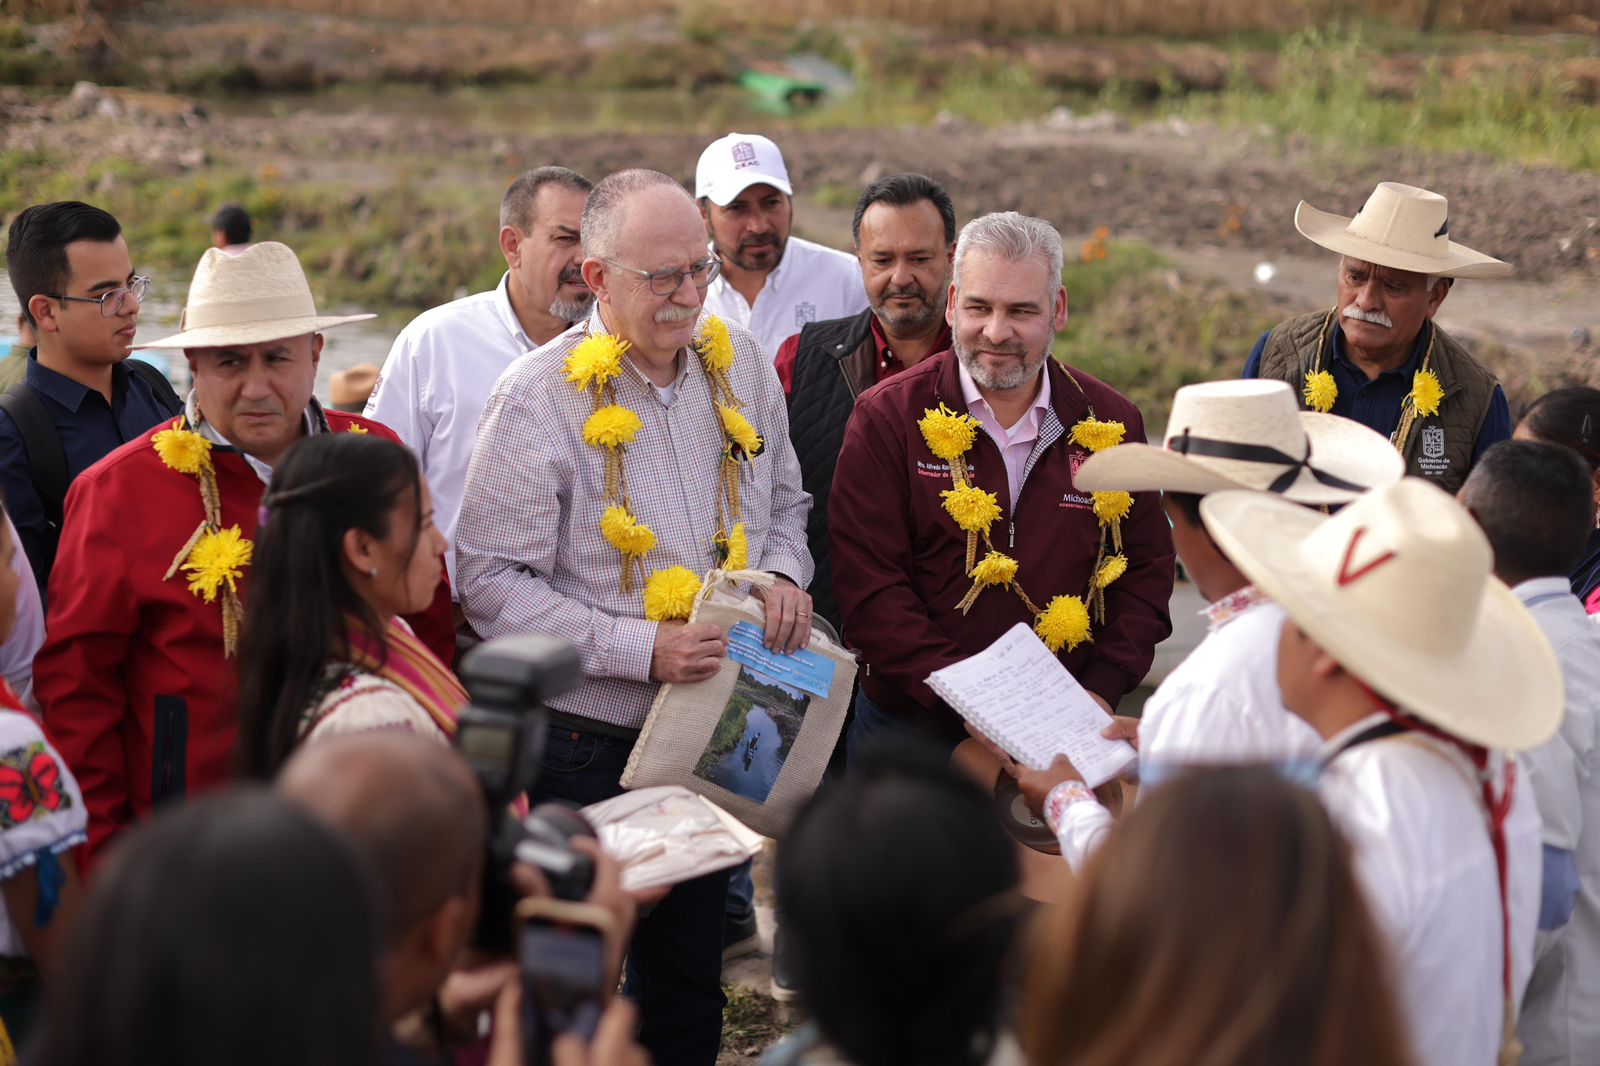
346 545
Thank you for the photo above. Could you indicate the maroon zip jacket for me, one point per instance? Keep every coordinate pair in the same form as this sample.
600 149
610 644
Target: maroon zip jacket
899 557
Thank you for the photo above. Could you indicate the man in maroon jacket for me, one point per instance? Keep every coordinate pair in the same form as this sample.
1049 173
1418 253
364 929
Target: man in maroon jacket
136 678
901 573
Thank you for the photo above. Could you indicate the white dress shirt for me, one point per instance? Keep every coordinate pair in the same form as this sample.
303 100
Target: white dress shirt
1413 812
1560 1021
434 384
811 283
1220 705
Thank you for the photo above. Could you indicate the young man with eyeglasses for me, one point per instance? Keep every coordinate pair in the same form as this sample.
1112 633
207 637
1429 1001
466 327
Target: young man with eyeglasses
537 548
80 399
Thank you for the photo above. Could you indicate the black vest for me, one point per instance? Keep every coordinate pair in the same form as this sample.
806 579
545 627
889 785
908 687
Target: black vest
833 365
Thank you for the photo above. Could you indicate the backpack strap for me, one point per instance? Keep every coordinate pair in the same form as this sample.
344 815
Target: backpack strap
47 460
156 378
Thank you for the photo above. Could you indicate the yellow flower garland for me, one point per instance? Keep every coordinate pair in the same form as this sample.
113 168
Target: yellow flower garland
1064 622
213 557
1321 391
592 366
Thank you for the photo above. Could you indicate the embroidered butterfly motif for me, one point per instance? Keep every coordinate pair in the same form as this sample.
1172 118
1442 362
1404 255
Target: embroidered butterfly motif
30 785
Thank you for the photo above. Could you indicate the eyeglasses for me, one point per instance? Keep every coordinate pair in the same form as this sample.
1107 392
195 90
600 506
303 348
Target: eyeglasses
111 300
665 282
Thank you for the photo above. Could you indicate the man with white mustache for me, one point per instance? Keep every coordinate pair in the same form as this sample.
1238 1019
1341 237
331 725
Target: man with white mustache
442 366
771 283
1377 356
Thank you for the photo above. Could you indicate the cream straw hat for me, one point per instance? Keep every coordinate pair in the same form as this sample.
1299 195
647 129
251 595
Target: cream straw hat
1398 588
1400 226
1249 434
259 295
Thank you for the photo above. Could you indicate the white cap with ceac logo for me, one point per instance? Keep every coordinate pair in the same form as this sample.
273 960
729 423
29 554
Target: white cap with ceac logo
732 164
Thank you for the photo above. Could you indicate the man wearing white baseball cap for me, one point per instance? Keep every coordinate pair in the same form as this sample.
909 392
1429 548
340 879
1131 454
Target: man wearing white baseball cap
1421 671
771 283
136 677
1377 355
1221 704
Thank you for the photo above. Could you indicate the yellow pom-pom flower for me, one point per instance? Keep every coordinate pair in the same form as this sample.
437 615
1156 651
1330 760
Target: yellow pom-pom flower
948 434
1112 507
626 533
611 426
739 431
714 344
735 549
995 568
183 450
1097 436
1064 623
595 361
669 594
973 509
1320 391
1426 392
1114 567
218 559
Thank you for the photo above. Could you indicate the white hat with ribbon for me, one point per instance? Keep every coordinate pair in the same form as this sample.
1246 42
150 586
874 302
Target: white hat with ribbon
1400 226
259 295
1249 434
1398 587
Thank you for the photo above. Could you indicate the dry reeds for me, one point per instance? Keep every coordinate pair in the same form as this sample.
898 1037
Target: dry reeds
1169 17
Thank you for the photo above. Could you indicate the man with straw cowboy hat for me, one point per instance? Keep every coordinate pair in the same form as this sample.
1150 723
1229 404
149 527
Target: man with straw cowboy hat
1377 355
1420 671
1221 704
135 678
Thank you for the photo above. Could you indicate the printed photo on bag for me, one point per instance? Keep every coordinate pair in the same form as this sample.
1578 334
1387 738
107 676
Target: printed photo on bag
754 735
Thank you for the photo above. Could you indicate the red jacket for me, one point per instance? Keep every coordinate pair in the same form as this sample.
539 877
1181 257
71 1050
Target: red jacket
899 558
132 682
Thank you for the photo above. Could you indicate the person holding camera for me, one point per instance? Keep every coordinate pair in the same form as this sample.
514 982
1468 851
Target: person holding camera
346 545
416 811
614 467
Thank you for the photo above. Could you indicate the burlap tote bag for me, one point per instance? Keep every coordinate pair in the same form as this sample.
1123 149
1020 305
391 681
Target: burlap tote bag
755 738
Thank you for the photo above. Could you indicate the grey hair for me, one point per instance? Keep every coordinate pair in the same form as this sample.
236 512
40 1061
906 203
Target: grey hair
516 207
603 214
1016 238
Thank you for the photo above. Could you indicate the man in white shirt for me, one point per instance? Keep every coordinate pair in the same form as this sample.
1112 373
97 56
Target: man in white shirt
1222 703
771 283
443 365
1421 672
1535 504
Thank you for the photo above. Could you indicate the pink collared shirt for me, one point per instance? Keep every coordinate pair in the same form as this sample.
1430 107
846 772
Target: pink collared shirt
1015 443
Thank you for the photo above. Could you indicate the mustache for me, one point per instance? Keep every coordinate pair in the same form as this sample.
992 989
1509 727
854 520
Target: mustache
913 289
676 313
760 241
571 276
1376 318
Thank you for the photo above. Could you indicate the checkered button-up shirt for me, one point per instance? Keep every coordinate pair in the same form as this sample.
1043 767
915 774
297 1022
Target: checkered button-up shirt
529 554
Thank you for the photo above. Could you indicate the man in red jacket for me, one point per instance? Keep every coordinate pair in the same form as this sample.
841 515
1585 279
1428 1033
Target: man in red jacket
136 678
954 493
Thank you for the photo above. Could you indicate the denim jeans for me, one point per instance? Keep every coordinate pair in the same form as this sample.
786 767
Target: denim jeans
873 726
675 958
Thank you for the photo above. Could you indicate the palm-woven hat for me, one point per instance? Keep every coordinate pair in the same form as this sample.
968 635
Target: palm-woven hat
1398 587
1400 226
259 295
1249 434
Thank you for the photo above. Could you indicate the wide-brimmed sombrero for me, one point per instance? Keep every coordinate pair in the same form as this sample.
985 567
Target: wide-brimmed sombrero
1398 588
1249 434
259 295
1400 226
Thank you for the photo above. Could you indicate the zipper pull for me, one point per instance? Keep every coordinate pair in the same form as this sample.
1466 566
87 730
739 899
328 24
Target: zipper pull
1011 534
